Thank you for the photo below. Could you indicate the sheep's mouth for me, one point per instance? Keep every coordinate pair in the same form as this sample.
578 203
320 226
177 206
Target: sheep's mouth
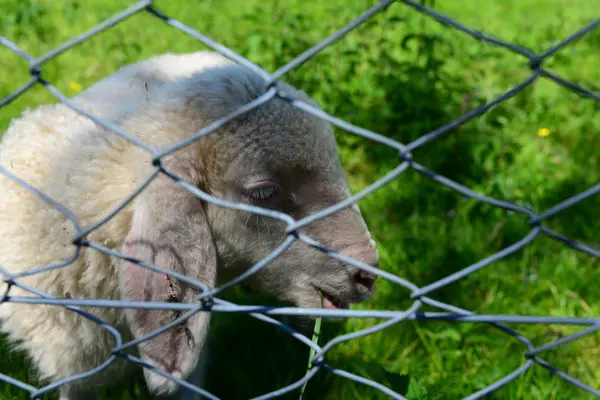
331 302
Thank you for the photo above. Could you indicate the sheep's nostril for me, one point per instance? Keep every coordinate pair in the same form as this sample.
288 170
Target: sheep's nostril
365 278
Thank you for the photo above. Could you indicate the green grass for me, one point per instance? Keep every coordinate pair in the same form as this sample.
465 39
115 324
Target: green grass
401 74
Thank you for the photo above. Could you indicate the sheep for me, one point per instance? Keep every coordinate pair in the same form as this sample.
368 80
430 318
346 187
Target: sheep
275 157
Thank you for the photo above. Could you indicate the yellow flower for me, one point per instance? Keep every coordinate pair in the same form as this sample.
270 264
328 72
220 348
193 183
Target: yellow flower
543 132
76 87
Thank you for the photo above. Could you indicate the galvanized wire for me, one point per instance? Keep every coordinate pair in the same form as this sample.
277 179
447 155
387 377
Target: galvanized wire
532 354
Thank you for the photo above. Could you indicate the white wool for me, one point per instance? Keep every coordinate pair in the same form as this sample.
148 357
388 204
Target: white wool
90 178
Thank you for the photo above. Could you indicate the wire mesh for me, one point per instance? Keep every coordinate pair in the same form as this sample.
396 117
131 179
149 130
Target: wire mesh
533 354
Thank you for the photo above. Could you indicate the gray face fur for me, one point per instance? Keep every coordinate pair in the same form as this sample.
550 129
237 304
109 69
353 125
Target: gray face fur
276 157
282 158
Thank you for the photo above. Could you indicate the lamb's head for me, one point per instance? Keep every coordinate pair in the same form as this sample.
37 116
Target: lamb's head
280 158
275 157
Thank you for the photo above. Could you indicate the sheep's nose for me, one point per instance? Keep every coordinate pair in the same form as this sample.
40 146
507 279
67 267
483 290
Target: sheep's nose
366 253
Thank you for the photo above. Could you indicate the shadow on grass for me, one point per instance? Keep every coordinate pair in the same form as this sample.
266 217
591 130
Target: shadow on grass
249 357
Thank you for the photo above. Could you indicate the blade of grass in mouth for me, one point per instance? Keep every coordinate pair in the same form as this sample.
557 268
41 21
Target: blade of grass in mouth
315 340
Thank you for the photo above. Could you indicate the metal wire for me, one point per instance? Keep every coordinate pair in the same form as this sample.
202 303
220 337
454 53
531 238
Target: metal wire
406 161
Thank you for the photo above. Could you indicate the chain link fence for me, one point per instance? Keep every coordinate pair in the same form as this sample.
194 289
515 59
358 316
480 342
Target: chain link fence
532 355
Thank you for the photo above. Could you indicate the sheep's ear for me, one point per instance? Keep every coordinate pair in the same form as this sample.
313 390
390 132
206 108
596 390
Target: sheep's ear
169 229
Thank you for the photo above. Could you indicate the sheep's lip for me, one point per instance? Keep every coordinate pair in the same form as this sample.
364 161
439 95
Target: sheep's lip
332 302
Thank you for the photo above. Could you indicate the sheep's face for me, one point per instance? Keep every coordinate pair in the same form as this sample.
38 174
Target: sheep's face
282 158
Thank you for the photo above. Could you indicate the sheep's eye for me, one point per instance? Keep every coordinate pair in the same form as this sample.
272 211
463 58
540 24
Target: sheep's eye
261 192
